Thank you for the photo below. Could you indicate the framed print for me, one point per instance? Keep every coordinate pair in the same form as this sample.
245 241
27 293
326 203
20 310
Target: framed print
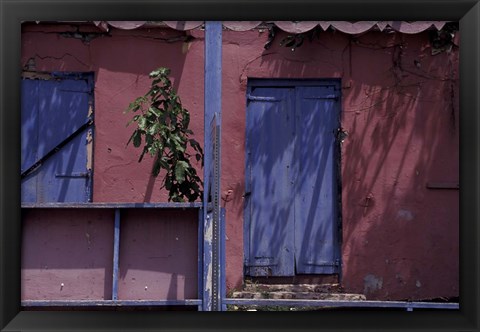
313 157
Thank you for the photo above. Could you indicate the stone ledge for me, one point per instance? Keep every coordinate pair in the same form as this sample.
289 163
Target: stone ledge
299 295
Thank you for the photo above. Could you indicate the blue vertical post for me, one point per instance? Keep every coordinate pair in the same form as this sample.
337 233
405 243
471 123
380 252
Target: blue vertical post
223 276
212 108
200 257
116 252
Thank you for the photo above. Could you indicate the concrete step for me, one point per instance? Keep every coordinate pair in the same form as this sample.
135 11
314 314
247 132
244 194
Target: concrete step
298 295
323 288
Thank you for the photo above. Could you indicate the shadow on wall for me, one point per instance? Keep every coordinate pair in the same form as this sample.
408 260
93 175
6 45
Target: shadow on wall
400 238
402 135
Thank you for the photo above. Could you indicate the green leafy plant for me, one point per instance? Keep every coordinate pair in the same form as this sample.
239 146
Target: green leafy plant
162 127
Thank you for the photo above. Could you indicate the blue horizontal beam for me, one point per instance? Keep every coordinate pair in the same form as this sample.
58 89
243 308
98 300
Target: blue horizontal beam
109 303
345 303
195 205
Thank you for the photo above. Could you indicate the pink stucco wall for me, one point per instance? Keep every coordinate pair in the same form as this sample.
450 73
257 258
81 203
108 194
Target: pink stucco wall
67 256
399 106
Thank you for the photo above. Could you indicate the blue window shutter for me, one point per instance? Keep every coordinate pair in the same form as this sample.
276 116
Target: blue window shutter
29 136
60 108
291 210
270 130
316 198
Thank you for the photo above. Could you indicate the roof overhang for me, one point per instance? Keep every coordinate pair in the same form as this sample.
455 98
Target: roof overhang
408 27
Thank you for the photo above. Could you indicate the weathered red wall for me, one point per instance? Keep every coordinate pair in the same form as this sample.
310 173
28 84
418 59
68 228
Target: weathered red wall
158 255
399 106
67 256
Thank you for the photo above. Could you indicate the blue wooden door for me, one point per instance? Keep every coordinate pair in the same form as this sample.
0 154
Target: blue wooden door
291 195
55 136
270 149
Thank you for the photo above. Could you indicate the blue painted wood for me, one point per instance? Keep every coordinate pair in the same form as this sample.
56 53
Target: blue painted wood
170 205
316 243
217 217
116 252
212 110
223 260
269 184
213 92
29 136
108 303
54 184
200 254
62 107
207 291
291 199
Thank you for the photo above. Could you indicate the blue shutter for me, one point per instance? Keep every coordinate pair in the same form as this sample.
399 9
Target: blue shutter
291 215
29 136
316 198
270 134
55 109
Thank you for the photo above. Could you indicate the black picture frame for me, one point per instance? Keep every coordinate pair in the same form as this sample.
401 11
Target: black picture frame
13 12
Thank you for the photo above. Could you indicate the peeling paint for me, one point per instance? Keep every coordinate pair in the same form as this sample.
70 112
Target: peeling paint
371 283
208 278
185 47
89 150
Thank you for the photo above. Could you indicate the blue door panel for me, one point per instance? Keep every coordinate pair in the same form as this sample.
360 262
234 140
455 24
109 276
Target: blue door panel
63 108
53 110
315 198
29 189
291 211
64 177
29 118
269 152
